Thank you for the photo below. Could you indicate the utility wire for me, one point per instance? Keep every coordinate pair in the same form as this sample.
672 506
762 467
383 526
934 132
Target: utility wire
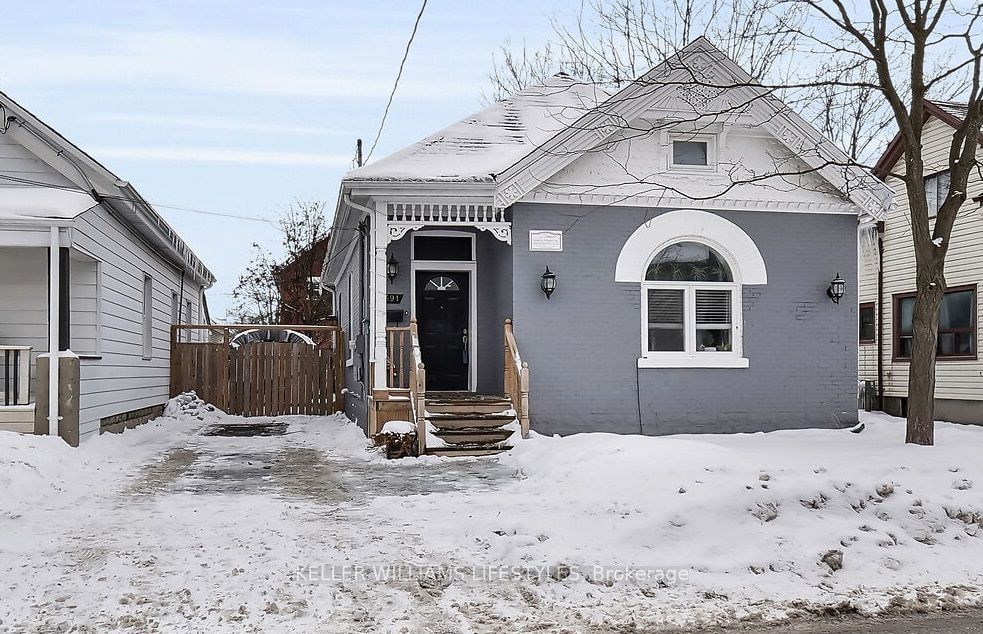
399 74
27 181
72 188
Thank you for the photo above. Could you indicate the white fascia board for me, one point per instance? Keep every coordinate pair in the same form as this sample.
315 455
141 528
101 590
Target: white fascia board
393 190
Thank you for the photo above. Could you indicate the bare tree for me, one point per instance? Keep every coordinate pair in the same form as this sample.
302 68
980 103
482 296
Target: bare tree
612 42
860 71
287 290
911 50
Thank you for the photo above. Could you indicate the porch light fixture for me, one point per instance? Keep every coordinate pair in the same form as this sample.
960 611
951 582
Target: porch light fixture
549 282
392 268
836 289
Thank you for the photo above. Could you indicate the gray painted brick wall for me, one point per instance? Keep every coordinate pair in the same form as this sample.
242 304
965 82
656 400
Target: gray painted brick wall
583 345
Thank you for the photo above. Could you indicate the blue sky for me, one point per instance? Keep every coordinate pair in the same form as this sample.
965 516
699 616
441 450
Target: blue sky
244 106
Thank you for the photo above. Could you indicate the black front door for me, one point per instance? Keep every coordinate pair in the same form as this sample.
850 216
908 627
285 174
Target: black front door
442 319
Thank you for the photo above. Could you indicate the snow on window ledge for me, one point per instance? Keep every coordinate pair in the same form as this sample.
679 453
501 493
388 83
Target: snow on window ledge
699 360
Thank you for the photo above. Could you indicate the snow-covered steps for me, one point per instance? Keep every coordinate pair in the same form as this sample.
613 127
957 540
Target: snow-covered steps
469 424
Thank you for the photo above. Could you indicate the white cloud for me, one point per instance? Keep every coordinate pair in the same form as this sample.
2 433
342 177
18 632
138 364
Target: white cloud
216 123
216 62
220 155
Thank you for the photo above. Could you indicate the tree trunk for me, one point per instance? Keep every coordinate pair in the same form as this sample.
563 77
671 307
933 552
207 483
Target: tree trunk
921 371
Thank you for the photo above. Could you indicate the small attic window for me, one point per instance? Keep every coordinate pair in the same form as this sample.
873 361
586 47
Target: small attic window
689 151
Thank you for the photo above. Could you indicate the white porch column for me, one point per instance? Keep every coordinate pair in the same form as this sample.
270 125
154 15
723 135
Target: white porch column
380 241
54 285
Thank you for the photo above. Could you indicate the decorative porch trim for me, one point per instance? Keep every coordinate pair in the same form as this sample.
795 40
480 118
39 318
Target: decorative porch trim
404 217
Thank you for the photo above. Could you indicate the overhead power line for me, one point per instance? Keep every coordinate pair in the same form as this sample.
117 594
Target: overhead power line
34 183
399 75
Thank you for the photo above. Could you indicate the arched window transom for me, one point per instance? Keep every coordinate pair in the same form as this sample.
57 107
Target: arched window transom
441 283
688 262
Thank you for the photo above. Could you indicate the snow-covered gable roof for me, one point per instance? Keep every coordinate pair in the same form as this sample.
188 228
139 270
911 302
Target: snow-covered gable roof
489 142
698 64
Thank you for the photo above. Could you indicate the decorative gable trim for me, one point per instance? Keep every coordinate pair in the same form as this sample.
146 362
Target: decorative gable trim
675 202
705 64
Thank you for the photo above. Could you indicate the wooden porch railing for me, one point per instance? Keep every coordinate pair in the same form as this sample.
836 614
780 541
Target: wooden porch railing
516 379
15 379
405 371
400 347
418 390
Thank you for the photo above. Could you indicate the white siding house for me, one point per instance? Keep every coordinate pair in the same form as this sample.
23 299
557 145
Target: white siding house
112 253
888 275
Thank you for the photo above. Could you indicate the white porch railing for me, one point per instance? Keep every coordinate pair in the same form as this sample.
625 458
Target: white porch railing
15 375
403 217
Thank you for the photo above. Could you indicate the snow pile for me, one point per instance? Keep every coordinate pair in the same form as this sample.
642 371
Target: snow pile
187 404
32 470
38 470
398 427
721 527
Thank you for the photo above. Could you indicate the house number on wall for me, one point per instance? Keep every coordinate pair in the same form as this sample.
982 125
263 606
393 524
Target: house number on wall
545 240
394 298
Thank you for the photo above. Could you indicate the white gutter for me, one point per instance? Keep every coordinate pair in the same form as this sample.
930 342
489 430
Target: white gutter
54 286
351 203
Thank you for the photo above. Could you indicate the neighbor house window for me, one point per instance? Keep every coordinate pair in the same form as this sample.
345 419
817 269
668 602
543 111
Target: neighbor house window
868 328
691 151
690 302
148 317
957 325
936 190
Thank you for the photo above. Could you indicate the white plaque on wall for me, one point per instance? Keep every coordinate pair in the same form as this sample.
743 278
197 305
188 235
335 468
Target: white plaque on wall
540 240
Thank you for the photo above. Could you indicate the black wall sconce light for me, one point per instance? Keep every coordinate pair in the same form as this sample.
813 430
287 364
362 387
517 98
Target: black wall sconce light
836 289
548 283
392 268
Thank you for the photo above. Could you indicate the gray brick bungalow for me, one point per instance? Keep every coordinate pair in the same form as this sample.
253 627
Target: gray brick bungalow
652 261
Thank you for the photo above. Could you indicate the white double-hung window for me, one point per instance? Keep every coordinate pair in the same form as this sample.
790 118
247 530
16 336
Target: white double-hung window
691 308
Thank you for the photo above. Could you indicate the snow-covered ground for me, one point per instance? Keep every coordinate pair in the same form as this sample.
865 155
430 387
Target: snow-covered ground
164 528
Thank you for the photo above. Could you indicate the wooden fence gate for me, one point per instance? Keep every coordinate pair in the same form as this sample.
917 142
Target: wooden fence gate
260 378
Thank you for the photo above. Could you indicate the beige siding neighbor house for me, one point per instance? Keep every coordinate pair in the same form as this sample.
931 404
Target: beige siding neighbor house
887 283
88 272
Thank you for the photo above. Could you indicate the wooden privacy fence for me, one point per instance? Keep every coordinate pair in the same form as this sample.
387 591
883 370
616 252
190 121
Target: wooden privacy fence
260 378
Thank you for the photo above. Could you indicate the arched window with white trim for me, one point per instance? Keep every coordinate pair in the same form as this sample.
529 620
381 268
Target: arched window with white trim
689 296
691 266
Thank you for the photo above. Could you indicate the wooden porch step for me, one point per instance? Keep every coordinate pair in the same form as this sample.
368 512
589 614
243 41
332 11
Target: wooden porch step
470 420
453 452
485 406
473 436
